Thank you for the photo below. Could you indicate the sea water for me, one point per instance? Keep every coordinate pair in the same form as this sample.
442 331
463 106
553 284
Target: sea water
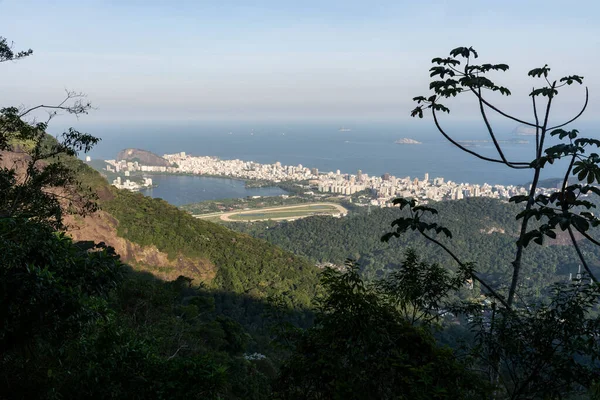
367 146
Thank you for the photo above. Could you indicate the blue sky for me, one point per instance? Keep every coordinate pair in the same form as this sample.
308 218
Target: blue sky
201 60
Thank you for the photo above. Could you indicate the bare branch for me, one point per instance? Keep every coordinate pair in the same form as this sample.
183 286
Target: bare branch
537 126
517 165
580 254
77 108
491 131
473 274
174 354
587 97
520 246
505 114
588 237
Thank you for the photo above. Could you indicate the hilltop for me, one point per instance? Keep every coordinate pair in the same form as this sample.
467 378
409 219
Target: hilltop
143 157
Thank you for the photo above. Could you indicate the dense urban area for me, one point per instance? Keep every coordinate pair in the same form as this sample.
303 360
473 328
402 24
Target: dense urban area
383 188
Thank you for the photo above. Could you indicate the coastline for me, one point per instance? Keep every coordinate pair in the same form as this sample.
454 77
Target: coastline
298 178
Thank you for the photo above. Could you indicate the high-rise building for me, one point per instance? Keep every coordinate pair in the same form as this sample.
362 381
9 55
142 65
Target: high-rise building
359 175
426 177
386 176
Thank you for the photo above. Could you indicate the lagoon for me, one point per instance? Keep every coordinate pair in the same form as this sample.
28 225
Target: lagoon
185 189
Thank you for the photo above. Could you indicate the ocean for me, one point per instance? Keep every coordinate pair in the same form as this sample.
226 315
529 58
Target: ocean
369 147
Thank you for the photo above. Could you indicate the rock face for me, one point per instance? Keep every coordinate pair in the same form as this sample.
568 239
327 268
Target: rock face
143 157
102 227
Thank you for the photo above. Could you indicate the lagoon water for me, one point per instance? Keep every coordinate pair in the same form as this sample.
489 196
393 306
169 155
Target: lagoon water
183 189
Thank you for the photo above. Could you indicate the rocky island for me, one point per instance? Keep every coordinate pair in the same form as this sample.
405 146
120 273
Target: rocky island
407 141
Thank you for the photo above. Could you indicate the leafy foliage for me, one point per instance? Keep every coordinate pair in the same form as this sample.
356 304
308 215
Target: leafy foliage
419 290
362 347
487 240
532 348
8 54
41 185
244 264
76 323
50 290
548 349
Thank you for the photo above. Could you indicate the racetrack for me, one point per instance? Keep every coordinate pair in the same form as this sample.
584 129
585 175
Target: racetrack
279 213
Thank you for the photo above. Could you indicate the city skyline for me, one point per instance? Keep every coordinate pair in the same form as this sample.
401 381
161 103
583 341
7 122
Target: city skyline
383 188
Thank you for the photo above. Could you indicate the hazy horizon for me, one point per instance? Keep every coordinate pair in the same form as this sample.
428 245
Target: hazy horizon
272 60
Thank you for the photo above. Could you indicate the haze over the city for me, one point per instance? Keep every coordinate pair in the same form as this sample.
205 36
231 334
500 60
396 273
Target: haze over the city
280 60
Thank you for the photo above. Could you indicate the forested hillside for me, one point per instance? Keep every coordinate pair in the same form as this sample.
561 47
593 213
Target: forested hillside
484 231
243 273
198 336
239 262
243 264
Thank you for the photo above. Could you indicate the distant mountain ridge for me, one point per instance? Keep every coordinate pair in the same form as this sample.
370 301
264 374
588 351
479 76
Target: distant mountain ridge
143 157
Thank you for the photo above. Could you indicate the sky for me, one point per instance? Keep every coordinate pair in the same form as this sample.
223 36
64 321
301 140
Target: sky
199 60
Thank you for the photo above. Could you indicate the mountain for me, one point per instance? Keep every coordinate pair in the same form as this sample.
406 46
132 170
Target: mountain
157 237
190 314
154 236
143 157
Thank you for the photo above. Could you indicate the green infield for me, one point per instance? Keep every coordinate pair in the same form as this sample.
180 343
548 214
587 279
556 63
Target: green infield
277 213
284 213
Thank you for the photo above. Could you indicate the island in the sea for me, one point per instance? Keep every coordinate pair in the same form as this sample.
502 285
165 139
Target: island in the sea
407 141
342 129
524 130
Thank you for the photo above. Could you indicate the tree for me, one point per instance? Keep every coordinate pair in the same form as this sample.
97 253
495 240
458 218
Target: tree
419 290
50 289
36 182
73 322
533 350
363 347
